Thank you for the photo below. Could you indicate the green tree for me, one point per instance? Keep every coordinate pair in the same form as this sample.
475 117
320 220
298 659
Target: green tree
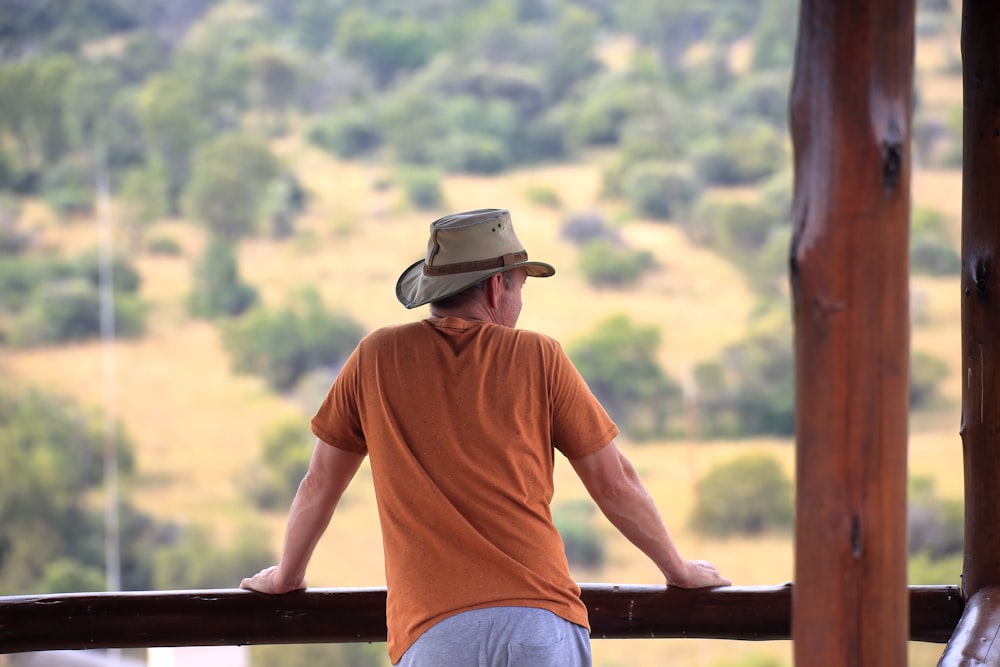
196 561
276 81
774 36
745 153
348 133
386 47
927 371
168 111
749 495
932 251
618 361
53 300
659 189
608 264
422 186
935 526
145 193
750 388
581 540
282 345
51 532
284 460
229 182
218 290
31 109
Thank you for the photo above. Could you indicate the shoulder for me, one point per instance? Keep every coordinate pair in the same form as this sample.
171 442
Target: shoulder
391 333
540 343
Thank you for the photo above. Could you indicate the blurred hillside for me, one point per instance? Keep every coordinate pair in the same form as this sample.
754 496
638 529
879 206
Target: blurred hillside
260 172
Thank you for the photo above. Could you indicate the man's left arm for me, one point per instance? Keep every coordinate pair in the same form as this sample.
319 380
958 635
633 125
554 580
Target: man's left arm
613 483
331 469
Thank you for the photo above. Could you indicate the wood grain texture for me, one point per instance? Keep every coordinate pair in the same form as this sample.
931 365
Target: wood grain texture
851 102
234 617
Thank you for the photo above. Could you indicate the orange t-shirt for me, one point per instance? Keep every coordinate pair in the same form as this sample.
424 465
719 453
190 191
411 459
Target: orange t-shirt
460 419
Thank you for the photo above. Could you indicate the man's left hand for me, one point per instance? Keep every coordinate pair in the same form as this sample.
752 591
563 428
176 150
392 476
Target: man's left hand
268 581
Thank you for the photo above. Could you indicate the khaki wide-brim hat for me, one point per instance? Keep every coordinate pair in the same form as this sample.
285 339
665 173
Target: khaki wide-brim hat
464 249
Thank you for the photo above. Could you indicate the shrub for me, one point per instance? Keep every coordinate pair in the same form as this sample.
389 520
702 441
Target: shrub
659 190
935 527
924 570
229 180
607 264
218 290
736 229
618 361
582 543
474 154
543 195
546 137
164 246
346 134
648 137
586 227
931 249
282 345
750 389
195 561
13 240
146 197
603 113
749 495
53 302
68 188
285 455
926 373
933 256
741 157
50 473
422 187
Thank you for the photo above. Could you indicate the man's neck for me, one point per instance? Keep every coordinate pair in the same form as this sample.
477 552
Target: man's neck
473 312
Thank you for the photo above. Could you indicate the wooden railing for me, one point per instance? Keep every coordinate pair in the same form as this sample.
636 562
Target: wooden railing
235 617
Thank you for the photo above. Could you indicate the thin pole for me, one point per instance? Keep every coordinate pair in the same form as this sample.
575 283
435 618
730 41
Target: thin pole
112 530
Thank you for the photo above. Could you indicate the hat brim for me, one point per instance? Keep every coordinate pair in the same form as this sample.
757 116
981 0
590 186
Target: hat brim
414 289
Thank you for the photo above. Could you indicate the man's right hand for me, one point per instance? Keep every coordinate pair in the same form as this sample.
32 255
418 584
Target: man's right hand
699 574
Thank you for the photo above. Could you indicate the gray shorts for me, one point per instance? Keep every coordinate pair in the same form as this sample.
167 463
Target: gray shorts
501 637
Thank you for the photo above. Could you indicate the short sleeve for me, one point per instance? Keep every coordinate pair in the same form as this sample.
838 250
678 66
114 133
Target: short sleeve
338 420
580 424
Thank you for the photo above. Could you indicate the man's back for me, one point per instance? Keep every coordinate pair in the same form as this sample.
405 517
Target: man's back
460 419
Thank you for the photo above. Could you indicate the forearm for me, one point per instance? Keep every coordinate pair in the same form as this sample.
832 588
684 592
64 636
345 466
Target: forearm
616 488
632 511
308 519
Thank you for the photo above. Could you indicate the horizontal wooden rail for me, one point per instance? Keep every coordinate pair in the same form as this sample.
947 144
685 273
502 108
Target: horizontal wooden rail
975 641
235 617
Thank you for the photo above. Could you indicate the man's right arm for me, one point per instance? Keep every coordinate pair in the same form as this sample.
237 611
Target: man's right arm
330 471
613 483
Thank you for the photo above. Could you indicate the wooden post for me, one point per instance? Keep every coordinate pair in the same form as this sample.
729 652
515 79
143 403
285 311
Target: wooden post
851 102
980 426
975 639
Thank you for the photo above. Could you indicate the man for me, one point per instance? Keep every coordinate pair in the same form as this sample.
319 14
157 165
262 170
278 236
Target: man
461 415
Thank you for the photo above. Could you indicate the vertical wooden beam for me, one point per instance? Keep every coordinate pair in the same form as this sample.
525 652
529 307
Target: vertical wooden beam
980 425
850 119
975 641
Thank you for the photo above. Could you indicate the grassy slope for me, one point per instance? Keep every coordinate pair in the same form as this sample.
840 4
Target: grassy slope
196 425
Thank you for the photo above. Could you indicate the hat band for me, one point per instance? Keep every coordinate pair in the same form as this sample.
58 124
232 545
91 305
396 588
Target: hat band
478 265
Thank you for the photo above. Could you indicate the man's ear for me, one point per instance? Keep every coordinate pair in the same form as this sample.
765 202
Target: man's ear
494 286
